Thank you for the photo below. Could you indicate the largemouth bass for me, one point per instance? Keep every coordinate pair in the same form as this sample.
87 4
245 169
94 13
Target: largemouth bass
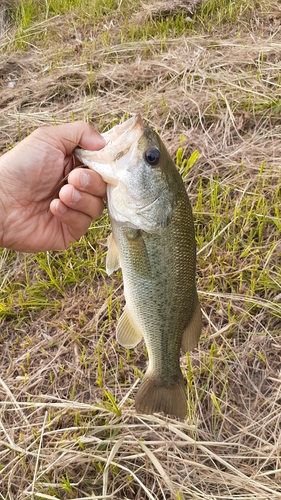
153 242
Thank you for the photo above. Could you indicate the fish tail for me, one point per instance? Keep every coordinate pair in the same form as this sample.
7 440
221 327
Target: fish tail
155 396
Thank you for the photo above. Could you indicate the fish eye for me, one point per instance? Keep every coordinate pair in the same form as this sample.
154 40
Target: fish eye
152 156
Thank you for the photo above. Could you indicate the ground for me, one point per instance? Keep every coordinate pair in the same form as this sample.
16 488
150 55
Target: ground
206 76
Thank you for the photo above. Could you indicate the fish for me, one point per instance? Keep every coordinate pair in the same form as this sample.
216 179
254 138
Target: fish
153 241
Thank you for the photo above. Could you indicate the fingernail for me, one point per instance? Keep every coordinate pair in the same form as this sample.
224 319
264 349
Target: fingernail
76 196
84 179
61 208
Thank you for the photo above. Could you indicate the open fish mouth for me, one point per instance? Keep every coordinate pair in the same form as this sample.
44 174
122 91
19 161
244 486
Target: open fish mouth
120 149
119 140
124 133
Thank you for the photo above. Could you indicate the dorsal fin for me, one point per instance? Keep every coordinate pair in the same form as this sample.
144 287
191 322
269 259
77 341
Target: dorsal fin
192 332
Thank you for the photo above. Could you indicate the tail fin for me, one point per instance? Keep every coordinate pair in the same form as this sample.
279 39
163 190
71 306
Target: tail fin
155 395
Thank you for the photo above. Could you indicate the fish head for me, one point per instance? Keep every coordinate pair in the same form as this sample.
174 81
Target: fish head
141 179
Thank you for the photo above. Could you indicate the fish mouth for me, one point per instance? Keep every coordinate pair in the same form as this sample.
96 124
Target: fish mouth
121 140
120 133
121 137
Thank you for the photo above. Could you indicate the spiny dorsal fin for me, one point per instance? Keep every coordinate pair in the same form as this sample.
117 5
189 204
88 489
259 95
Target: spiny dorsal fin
192 332
127 334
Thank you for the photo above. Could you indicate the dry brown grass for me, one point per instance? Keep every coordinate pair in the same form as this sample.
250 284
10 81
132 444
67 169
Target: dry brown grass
68 428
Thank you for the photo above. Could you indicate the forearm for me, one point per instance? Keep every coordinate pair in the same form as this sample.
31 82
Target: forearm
1 225
2 205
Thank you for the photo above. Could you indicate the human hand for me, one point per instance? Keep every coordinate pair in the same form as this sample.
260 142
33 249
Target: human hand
30 220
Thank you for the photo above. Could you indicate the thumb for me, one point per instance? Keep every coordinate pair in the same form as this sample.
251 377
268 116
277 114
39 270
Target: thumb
69 135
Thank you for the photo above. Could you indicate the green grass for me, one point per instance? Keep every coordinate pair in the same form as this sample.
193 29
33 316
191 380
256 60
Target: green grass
32 20
29 12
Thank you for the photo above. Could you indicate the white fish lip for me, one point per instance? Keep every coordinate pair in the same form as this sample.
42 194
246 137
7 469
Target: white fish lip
119 140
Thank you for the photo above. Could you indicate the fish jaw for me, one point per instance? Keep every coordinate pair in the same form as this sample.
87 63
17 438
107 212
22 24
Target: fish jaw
120 149
124 133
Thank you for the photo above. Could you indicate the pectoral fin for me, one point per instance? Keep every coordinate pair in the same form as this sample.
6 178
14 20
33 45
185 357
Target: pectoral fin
138 259
112 257
127 334
192 332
